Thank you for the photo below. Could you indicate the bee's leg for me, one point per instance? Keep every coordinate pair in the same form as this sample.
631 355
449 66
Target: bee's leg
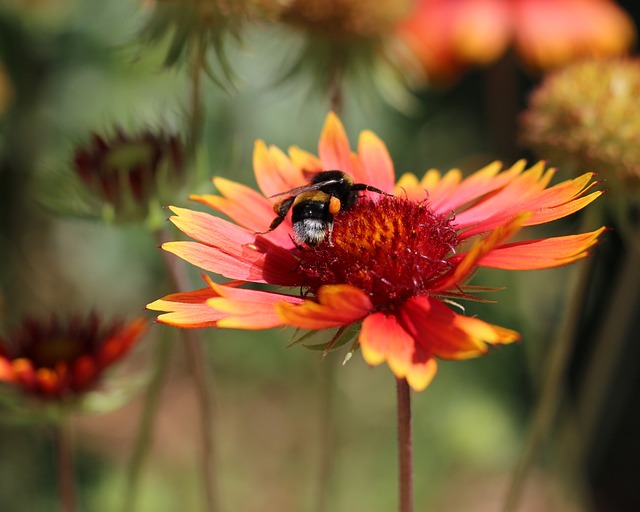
281 208
330 233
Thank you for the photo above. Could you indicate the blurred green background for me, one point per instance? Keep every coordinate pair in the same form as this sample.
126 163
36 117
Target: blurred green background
76 67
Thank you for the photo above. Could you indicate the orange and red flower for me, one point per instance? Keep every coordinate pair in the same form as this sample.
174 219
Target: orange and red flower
390 264
448 36
61 360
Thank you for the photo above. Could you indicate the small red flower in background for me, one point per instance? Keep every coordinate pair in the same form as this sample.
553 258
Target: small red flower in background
448 36
61 360
390 264
130 171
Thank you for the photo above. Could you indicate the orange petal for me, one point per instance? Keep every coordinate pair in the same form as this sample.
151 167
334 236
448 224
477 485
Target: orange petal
6 370
377 167
337 305
469 261
540 254
333 148
448 335
305 161
382 338
274 172
188 310
48 381
121 342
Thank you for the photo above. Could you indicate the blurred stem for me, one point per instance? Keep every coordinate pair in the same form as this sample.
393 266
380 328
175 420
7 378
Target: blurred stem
196 114
552 386
405 448
64 452
145 430
197 358
327 430
609 343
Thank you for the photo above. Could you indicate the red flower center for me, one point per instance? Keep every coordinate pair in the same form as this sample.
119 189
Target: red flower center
392 249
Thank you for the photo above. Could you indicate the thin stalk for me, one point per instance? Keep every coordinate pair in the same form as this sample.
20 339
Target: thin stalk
327 435
64 453
147 422
197 358
196 111
405 448
552 388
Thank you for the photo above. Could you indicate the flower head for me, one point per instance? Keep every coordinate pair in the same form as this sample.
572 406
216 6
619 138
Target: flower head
390 264
195 25
347 43
60 360
448 36
130 172
588 115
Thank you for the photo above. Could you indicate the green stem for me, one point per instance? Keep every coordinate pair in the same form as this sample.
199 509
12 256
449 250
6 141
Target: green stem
197 358
145 430
327 431
64 452
196 114
405 448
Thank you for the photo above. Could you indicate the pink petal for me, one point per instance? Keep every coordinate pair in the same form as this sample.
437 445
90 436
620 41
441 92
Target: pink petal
248 309
230 250
247 208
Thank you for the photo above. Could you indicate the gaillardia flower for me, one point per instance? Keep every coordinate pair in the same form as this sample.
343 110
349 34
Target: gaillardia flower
60 360
391 264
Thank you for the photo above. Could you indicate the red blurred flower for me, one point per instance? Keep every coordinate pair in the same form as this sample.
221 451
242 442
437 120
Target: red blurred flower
60 360
391 263
130 171
450 35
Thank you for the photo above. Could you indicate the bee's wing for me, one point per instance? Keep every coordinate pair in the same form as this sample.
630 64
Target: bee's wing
305 188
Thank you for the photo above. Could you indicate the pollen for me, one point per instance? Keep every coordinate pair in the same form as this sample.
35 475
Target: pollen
392 249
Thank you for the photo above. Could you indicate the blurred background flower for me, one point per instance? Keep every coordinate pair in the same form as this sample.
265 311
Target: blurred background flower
59 360
587 116
132 175
449 36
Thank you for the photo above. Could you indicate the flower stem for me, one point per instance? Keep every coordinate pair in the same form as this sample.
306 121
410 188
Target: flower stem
145 430
327 435
405 449
64 452
196 358
196 114
551 393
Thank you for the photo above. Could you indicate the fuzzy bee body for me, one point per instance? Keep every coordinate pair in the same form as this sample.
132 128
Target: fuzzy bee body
313 206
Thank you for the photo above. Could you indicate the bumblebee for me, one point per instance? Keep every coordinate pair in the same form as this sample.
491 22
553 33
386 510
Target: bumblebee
314 205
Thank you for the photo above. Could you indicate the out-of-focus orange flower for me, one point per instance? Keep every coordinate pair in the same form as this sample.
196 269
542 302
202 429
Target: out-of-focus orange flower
448 36
60 360
389 265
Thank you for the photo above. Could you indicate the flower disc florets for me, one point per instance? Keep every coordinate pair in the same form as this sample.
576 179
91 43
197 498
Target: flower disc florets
392 249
